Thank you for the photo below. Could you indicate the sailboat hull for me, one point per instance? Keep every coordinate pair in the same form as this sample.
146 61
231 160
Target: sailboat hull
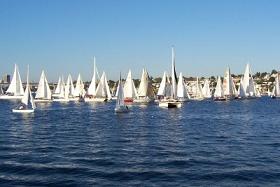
96 99
23 111
61 100
121 109
42 100
170 104
12 97
220 99
143 100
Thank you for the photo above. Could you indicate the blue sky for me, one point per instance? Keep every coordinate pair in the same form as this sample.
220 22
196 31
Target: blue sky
61 36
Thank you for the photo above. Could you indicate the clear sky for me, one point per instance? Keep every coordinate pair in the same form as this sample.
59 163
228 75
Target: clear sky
61 36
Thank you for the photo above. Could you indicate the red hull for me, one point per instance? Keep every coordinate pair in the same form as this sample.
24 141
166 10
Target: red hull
128 100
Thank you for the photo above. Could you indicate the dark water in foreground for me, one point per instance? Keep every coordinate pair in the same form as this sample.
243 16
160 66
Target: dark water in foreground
202 144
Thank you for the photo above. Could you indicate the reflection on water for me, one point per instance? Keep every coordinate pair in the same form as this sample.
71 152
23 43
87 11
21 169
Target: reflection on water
86 144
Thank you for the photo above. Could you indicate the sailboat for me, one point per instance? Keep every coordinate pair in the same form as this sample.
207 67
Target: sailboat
206 92
145 90
198 95
219 91
79 92
120 104
58 88
173 101
248 84
164 90
115 91
230 91
69 89
102 93
27 104
43 93
15 90
91 92
61 97
182 92
130 92
276 88
241 90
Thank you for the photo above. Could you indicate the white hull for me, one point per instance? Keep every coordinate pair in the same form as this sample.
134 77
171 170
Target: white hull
96 99
23 111
42 100
121 109
144 100
61 100
11 97
74 99
170 104
183 99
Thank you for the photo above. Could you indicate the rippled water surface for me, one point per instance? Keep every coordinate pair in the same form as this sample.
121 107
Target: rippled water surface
202 144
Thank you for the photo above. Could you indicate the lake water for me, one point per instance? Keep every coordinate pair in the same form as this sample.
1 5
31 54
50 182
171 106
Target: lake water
202 144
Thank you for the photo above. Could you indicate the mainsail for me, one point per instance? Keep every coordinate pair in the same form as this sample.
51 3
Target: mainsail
206 89
79 89
16 87
120 97
219 92
181 88
69 88
145 88
129 87
276 89
27 98
165 86
43 91
228 84
92 86
102 89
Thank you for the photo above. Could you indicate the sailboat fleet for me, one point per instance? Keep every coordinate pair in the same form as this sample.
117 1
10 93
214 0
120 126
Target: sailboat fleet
172 92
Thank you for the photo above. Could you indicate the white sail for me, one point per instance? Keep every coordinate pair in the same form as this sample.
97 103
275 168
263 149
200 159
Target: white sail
79 89
162 87
173 77
62 89
120 97
276 88
27 98
198 90
206 89
241 90
228 84
219 92
58 87
43 91
251 87
102 89
92 86
181 88
16 87
248 82
69 88
145 88
108 92
129 87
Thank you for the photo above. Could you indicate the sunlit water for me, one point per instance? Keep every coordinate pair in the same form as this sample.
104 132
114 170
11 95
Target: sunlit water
202 144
